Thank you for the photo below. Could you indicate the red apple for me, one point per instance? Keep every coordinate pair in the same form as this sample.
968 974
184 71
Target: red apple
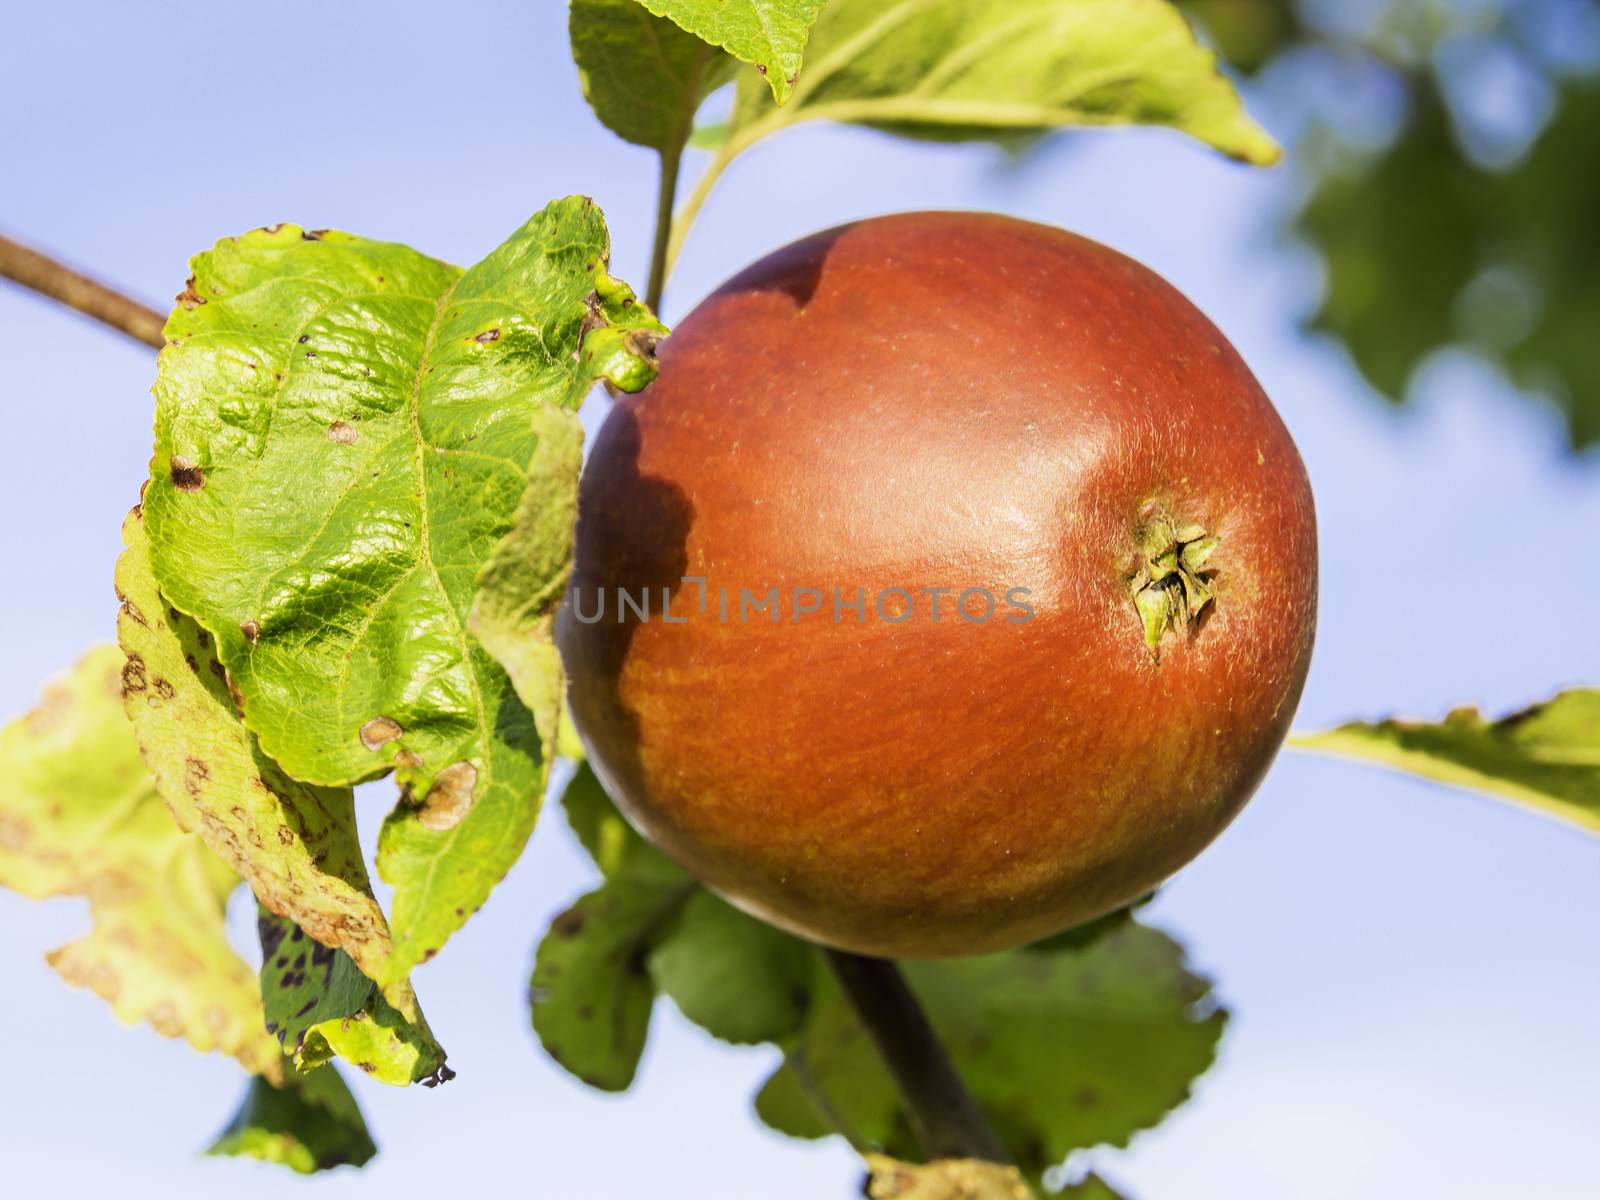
940 401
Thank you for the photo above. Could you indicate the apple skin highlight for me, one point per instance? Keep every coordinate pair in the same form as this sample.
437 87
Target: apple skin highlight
941 401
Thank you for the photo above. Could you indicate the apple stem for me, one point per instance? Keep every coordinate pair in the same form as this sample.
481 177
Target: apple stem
43 274
942 1112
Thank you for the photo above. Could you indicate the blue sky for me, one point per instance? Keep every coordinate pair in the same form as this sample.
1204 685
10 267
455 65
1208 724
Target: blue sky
1414 973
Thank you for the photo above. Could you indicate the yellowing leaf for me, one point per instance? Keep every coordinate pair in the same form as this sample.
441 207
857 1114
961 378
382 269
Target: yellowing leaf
945 1179
294 843
80 816
1546 758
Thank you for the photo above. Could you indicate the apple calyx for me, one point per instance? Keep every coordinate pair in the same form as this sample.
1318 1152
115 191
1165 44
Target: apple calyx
1171 586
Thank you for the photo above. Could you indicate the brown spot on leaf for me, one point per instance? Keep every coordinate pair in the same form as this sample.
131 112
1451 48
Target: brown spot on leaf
251 631
643 343
379 731
570 923
593 316
343 433
450 798
164 689
271 934
195 776
487 336
408 759
186 476
189 298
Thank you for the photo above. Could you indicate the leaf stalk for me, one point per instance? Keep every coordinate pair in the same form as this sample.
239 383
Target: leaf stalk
666 197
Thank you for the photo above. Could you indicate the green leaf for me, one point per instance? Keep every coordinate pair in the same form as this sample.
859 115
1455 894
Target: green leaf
319 1005
310 1123
591 991
1083 1039
617 849
1247 33
961 70
737 978
568 743
1063 1049
946 1179
768 34
522 584
304 983
1424 249
651 928
344 433
1090 1187
80 816
1546 757
644 77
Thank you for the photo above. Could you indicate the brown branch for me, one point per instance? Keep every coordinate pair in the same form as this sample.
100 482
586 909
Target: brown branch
61 283
942 1112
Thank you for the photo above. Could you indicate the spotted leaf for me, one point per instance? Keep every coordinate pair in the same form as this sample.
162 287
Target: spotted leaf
344 432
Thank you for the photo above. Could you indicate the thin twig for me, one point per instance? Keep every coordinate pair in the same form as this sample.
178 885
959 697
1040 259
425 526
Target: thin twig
61 283
942 1112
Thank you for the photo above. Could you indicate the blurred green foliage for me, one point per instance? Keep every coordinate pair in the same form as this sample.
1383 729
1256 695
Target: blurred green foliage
1468 219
